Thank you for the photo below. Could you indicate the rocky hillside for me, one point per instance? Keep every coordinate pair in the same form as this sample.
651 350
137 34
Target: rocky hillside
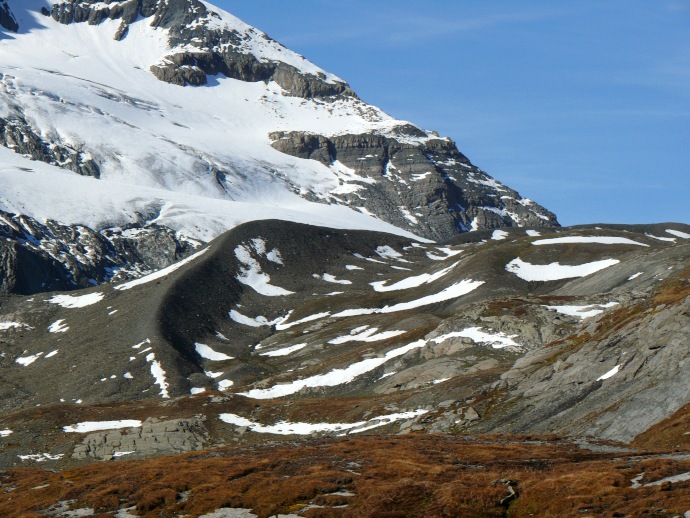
580 332
281 331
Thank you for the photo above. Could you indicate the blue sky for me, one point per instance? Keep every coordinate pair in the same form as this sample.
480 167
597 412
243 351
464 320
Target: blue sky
583 106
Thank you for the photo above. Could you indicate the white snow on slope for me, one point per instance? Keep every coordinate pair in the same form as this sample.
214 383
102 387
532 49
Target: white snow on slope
635 276
451 292
285 351
412 282
449 252
601 240
58 327
282 326
159 145
678 233
41 457
97 426
4 326
661 238
583 312
288 428
609 374
28 360
331 278
499 235
259 321
160 273
334 377
225 384
388 252
208 353
532 233
5 433
495 340
252 275
158 375
78 301
366 335
555 271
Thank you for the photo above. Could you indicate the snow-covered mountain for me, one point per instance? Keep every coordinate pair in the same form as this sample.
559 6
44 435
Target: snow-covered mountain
175 114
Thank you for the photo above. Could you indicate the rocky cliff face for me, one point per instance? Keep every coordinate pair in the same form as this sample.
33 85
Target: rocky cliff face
39 257
18 135
426 185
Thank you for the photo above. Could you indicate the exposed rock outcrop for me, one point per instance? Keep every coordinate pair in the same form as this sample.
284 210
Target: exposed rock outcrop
18 135
414 182
154 437
37 257
625 374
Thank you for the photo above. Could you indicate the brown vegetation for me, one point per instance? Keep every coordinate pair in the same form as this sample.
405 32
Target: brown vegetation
424 475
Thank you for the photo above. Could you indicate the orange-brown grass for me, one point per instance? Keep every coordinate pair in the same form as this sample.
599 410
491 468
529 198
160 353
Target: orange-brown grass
671 433
399 476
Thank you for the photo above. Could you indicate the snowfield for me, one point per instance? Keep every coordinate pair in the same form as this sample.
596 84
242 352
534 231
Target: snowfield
197 160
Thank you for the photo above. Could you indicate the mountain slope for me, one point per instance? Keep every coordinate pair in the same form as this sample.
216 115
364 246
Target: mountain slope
262 126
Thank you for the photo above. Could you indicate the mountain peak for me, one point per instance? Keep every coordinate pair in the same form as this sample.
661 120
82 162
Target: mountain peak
205 41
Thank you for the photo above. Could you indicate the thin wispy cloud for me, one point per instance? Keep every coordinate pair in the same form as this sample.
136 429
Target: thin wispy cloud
409 28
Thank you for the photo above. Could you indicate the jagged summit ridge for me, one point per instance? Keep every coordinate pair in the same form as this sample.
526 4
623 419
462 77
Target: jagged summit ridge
250 126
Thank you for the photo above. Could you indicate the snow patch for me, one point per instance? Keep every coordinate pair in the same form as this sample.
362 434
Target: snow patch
160 273
251 322
159 375
334 377
495 340
451 292
285 350
412 282
678 233
555 271
331 278
289 428
368 335
601 240
252 275
609 374
28 360
79 301
583 312
207 353
58 326
97 426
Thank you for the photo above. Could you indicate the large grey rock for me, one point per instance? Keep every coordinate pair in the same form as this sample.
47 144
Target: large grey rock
580 392
429 188
152 438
